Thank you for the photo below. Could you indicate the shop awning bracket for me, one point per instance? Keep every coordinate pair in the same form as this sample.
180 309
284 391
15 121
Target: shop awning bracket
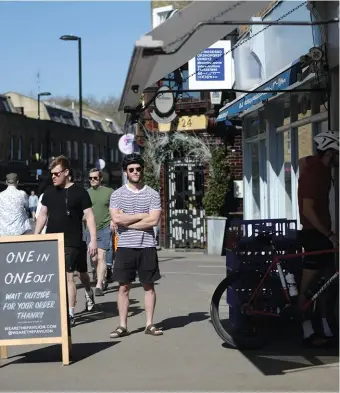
161 52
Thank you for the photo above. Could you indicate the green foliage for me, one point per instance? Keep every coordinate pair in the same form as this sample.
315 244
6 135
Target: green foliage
150 177
217 187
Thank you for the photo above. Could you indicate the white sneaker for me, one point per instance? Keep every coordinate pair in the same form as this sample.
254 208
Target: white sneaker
90 303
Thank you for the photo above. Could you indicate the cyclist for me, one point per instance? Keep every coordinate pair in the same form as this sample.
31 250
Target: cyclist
313 195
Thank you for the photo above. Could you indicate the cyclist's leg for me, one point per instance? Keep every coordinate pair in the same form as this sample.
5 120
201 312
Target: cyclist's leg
312 240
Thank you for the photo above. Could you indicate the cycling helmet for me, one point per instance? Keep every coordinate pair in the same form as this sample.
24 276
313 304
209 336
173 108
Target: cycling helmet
327 140
134 158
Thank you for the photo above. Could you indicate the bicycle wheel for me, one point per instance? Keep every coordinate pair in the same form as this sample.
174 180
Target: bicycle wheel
237 329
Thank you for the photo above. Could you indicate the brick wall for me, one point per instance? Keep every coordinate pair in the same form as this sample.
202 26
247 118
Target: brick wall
235 158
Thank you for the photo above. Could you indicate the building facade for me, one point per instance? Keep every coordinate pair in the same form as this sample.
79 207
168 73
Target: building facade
278 129
28 144
183 181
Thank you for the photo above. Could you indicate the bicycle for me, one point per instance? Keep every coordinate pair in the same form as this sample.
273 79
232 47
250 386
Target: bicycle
255 295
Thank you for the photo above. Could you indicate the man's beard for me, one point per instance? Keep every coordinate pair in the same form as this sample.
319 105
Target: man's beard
131 180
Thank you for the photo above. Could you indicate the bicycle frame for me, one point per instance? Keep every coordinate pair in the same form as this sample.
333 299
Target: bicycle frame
276 264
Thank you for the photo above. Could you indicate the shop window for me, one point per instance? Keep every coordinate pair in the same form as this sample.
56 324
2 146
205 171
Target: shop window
289 141
255 125
287 168
42 155
69 149
323 102
12 148
85 156
75 150
52 147
305 106
286 114
91 153
31 147
19 148
323 126
174 84
305 140
252 127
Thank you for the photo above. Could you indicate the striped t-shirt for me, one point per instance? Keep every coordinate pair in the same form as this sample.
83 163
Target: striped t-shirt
134 202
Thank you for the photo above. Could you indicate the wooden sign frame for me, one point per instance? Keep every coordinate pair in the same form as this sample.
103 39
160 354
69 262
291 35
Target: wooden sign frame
64 339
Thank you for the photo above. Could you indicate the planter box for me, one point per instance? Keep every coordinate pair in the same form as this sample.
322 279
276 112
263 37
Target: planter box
215 233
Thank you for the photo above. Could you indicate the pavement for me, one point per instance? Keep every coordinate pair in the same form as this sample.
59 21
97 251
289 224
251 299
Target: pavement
188 357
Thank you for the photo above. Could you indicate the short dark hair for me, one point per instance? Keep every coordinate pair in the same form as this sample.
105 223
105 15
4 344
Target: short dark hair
93 170
63 161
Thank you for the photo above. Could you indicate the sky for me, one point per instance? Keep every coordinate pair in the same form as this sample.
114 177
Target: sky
29 43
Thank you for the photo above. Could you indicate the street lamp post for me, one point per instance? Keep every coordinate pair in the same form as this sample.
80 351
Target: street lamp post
75 38
46 93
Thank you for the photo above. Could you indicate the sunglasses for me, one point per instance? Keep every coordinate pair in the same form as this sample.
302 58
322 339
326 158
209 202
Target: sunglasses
93 178
139 169
57 174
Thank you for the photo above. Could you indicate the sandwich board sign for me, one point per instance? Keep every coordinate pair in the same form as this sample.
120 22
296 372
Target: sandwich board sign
33 298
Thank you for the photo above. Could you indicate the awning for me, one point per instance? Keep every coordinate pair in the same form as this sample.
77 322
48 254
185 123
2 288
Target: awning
281 81
145 71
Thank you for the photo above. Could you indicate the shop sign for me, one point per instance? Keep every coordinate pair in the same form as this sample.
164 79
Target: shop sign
164 111
126 143
213 68
281 82
186 123
192 123
216 97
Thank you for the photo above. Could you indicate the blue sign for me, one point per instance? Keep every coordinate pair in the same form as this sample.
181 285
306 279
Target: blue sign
280 82
210 65
39 172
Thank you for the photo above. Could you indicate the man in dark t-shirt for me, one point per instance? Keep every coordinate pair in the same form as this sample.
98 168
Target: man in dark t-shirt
313 195
63 207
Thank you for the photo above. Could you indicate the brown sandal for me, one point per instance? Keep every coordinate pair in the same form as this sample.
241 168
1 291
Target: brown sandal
120 331
153 331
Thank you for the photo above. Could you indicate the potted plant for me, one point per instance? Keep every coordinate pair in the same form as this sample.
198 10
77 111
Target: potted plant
214 199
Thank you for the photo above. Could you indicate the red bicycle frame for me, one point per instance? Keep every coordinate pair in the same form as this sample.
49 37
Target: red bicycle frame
276 264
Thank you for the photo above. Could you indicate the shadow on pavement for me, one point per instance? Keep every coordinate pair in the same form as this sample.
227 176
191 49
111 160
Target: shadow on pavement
51 354
277 359
134 285
104 311
177 322
284 353
182 320
165 259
